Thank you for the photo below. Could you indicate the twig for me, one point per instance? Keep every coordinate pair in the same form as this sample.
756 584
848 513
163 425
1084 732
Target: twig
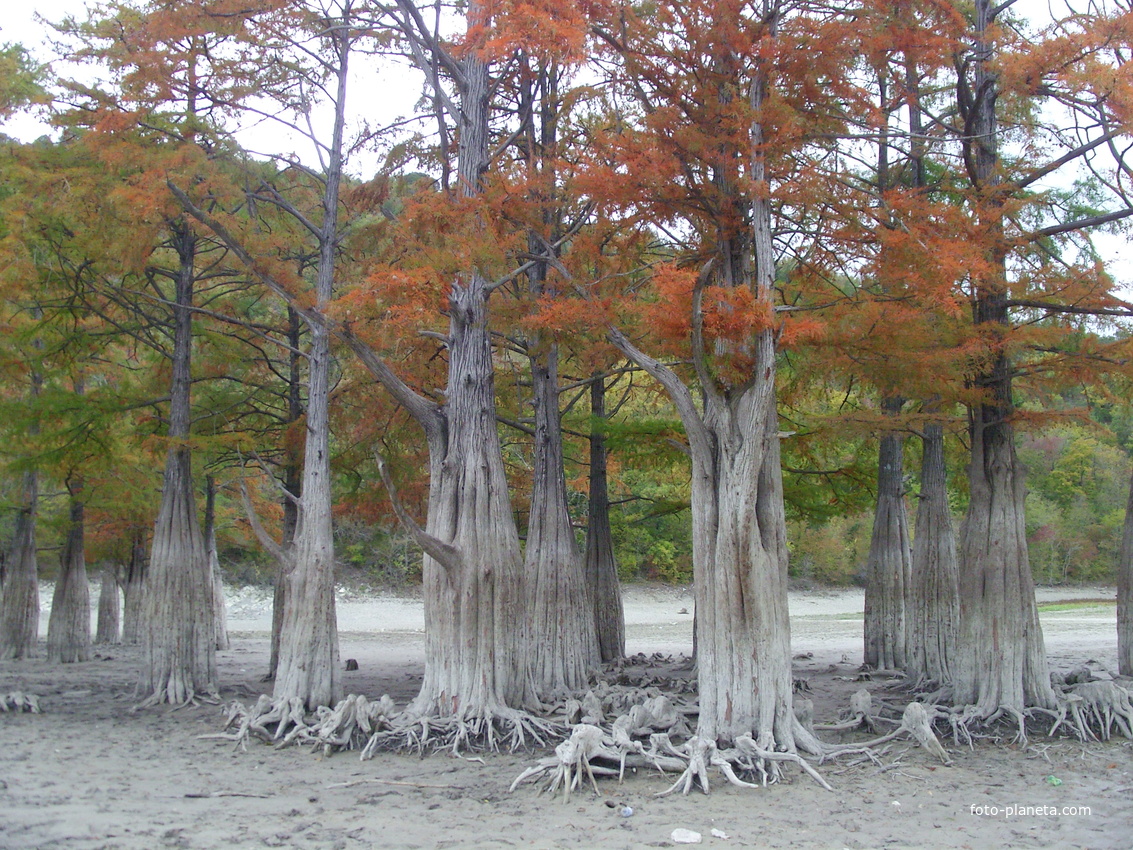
386 782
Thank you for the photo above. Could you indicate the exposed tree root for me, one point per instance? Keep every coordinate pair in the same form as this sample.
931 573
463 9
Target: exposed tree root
1095 705
916 722
751 760
1088 709
488 731
18 701
861 714
191 699
347 726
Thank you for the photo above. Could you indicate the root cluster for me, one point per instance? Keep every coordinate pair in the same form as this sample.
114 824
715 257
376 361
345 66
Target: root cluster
369 727
18 701
615 726
350 725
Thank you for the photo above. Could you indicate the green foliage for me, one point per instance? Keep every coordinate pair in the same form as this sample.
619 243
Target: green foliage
830 552
375 555
21 80
652 531
1078 481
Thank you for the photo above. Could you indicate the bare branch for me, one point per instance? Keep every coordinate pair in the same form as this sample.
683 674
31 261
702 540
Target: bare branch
266 540
698 436
445 554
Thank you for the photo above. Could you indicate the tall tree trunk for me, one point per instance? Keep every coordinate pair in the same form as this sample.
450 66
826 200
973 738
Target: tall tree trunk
602 583
177 630
476 643
934 612
743 635
1125 593
292 484
19 608
134 592
564 644
476 623
308 644
109 607
1001 657
68 627
220 609
887 567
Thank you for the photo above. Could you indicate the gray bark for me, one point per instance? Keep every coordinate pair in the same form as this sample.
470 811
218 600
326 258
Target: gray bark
934 611
1125 593
739 558
476 643
476 622
292 486
887 567
308 645
1001 657
19 608
177 630
68 627
133 591
220 609
602 582
109 620
738 520
564 643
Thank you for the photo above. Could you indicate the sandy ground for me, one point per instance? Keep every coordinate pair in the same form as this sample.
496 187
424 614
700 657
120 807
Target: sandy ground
86 773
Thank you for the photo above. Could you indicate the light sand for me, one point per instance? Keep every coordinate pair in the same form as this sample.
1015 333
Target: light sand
88 774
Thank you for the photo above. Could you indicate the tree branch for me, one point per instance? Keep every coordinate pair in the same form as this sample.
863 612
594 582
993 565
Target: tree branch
266 540
445 554
698 436
1080 224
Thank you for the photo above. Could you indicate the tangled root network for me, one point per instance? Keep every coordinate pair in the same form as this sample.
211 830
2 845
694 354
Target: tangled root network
18 701
369 727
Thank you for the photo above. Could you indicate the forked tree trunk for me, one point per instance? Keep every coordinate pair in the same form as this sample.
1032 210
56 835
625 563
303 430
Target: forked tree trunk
743 633
476 646
934 611
1001 657
68 627
109 608
564 644
743 636
887 567
19 608
601 567
220 609
476 621
133 592
177 630
1125 593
